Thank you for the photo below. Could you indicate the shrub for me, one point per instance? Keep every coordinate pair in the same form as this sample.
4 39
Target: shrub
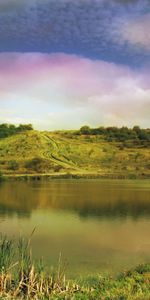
57 168
38 165
13 165
34 164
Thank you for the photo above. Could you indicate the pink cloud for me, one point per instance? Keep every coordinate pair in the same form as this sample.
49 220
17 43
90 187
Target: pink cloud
98 91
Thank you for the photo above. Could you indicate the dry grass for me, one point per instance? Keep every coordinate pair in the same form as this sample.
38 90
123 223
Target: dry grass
22 278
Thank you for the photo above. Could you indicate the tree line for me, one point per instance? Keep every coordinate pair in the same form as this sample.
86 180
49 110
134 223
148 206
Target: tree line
117 134
109 133
10 129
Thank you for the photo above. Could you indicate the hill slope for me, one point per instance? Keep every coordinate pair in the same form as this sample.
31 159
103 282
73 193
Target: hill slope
64 152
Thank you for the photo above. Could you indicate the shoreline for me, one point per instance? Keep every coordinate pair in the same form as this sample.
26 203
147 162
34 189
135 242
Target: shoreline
40 177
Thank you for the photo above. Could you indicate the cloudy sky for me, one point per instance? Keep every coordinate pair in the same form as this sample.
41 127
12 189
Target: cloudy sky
67 63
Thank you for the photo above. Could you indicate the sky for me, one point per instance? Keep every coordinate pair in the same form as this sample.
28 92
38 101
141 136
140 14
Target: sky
67 63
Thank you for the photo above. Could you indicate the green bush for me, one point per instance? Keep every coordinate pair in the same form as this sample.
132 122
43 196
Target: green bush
13 165
39 165
34 164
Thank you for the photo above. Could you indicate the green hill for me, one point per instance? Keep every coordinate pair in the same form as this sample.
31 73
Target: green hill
66 152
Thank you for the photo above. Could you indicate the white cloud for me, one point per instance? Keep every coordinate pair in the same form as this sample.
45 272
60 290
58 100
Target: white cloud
67 91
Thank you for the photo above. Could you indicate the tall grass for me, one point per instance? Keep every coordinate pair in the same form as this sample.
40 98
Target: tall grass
23 278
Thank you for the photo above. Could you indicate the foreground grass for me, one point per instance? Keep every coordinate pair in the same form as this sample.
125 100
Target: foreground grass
23 278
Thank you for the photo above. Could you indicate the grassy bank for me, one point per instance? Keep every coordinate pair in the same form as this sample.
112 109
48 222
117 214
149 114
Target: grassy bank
23 278
67 155
40 177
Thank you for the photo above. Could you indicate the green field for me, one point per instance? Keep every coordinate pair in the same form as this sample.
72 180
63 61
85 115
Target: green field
65 152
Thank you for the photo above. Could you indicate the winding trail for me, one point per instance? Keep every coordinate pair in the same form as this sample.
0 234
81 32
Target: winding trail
54 155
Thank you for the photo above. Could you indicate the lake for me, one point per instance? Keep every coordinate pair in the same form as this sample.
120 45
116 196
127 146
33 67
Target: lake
96 225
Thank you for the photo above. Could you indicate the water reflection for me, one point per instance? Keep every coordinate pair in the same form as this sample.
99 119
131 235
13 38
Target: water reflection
96 225
97 199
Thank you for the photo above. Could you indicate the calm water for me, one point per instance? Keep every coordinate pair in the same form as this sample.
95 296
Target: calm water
97 225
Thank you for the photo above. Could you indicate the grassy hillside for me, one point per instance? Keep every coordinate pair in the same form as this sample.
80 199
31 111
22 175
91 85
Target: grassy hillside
33 152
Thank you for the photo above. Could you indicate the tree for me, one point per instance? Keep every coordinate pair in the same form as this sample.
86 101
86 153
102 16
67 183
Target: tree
85 130
10 129
24 127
